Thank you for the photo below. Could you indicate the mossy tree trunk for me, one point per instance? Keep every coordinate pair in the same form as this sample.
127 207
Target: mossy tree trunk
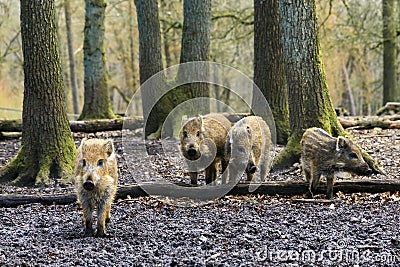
309 100
96 98
390 92
47 147
269 68
195 47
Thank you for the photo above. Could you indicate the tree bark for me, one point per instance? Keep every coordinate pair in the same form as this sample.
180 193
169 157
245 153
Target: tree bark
47 147
195 47
390 92
97 101
71 57
150 63
309 101
269 68
165 36
346 82
291 188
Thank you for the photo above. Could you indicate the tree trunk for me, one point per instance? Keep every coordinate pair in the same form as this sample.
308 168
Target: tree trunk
150 63
195 47
269 68
132 40
47 148
349 92
309 101
71 56
165 36
390 92
96 102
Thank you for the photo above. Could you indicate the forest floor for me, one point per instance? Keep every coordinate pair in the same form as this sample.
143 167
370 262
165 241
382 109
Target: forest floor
255 230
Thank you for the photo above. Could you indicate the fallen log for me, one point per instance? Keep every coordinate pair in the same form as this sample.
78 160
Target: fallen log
291 188
387 122
90 126
384 123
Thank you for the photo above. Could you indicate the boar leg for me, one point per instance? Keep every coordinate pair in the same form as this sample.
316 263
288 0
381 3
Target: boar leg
224 170
250 177
101 217
87 218
307 174
263 170
211 173
108 217
193 177
314 180
330 180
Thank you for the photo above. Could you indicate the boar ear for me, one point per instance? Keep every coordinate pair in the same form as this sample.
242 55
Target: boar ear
184 120
201 123
109 147
82 142
341 143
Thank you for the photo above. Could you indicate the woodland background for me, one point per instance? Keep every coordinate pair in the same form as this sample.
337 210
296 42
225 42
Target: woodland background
350 35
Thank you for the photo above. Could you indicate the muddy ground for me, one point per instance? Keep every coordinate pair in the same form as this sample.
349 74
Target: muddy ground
357 230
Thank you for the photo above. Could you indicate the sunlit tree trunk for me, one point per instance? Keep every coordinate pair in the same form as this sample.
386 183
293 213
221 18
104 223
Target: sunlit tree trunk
47 148
390 92
71 57
269 68
96 98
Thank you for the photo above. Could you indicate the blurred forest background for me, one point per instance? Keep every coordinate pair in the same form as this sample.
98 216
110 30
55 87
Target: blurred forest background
350 34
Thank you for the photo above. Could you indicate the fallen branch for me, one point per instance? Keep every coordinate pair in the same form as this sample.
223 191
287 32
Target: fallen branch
291 188
82 126
389 122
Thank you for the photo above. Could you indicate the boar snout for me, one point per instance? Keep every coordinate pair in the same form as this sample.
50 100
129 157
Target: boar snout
251 168
88 185
191 151
365 171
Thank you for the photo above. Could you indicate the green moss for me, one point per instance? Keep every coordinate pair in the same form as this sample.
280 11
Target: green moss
27 169
282 128
289 155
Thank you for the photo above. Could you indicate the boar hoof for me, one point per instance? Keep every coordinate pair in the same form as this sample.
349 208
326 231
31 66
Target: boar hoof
89 232
88 185
252 169
309 194
100 234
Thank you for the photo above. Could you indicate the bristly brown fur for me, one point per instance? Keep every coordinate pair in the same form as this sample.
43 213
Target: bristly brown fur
322 154
96 162
213 127
248 144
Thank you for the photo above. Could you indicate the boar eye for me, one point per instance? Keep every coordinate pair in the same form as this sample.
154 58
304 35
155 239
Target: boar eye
353 155
100 163
198 134
185 135
83 161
